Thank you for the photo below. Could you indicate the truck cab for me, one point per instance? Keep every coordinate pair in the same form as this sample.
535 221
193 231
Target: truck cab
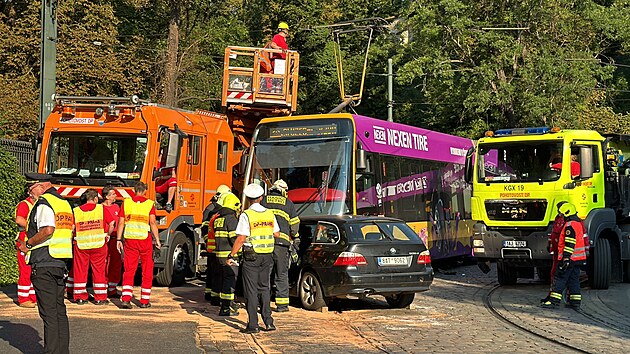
520 175
91 142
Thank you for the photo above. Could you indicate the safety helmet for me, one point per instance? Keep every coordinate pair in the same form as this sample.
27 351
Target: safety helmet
283 25
223 189
560 203
567 209
231 201
280 184
253 191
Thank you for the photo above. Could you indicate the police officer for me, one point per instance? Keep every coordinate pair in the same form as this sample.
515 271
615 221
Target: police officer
571 255
213 268
49 246
257 227
225 235
289 224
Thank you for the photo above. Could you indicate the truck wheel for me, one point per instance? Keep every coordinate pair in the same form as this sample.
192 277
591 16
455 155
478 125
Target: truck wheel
506 274
600 265
400 301
178 261
311 294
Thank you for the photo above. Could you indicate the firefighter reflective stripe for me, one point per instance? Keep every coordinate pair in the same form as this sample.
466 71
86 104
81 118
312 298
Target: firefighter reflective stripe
285 218
261 230
282 300
577 297
571 242
226 296
60 243
556 296
288 221
89 228
211 243
137 219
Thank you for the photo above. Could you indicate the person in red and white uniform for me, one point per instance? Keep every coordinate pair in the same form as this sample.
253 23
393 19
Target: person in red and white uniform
25 291
136 223
90 249
114 262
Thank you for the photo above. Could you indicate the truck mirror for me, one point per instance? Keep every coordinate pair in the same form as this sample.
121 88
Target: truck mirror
586 162
174 150
468 167
361 159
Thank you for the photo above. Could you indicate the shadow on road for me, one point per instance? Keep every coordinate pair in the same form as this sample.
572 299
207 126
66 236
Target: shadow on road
21 336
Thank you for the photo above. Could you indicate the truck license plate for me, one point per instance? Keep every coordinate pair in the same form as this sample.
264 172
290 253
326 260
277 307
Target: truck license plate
514 243
392 261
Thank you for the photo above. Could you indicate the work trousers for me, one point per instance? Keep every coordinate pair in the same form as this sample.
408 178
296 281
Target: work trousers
281 274
25 290
256 277
83 260
214 276
49 288
114 267
567 279
135 250
229 274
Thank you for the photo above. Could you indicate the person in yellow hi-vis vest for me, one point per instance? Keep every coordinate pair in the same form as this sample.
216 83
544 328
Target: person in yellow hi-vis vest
256 230
213 268
135 224
48 247
90 249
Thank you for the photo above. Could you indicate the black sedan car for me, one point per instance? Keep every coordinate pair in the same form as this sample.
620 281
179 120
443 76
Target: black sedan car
357 256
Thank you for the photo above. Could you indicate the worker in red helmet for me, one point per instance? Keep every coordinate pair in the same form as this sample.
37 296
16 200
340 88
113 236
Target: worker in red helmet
571 255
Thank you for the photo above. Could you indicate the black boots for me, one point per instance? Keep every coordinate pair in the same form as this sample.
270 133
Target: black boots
228 308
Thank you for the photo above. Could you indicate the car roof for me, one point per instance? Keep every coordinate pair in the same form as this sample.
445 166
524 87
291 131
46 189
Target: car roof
345 219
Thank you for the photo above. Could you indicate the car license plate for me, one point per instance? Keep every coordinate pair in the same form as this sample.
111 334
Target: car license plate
392 261
514 243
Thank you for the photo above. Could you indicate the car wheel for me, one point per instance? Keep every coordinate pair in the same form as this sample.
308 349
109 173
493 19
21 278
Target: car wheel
178 262
399 301
311 294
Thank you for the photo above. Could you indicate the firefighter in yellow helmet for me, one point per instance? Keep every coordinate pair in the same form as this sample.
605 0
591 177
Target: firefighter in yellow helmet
572 250
289 223
224 227
213 269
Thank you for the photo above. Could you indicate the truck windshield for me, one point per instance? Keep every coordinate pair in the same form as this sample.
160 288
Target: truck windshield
316 171
523 161
96 159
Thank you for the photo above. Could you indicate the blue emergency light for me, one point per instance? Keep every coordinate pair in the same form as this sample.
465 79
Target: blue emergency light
522 131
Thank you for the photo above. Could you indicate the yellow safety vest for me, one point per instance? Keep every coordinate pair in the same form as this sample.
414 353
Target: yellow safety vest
60 243
137 219
261 230
89 228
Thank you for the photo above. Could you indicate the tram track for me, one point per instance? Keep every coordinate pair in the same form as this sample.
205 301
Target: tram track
487 299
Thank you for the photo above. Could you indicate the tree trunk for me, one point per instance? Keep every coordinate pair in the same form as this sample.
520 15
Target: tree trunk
172 49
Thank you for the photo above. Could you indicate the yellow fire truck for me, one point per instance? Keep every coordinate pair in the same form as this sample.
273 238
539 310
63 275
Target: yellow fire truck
518 178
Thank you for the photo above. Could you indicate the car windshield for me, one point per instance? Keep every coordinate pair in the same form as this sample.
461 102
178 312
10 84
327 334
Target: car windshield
524 161
97 159
381 231
316 172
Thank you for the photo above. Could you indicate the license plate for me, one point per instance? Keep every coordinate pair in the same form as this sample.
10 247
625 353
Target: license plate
514 243
393 261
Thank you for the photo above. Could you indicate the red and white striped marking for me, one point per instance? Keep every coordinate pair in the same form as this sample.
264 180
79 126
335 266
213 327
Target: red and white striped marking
75 192
240 95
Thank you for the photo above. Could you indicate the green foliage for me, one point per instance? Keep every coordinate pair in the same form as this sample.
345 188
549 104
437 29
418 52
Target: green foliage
11 189
459 67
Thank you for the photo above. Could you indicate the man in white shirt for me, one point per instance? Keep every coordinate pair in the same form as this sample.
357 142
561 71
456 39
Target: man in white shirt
256 231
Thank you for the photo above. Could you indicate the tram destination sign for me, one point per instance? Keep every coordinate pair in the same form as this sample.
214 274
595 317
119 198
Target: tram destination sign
305 131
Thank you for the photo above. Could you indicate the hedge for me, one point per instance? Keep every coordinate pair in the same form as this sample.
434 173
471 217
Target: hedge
12 186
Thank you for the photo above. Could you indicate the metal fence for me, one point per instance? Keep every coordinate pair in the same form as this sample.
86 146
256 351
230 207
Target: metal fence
23 152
